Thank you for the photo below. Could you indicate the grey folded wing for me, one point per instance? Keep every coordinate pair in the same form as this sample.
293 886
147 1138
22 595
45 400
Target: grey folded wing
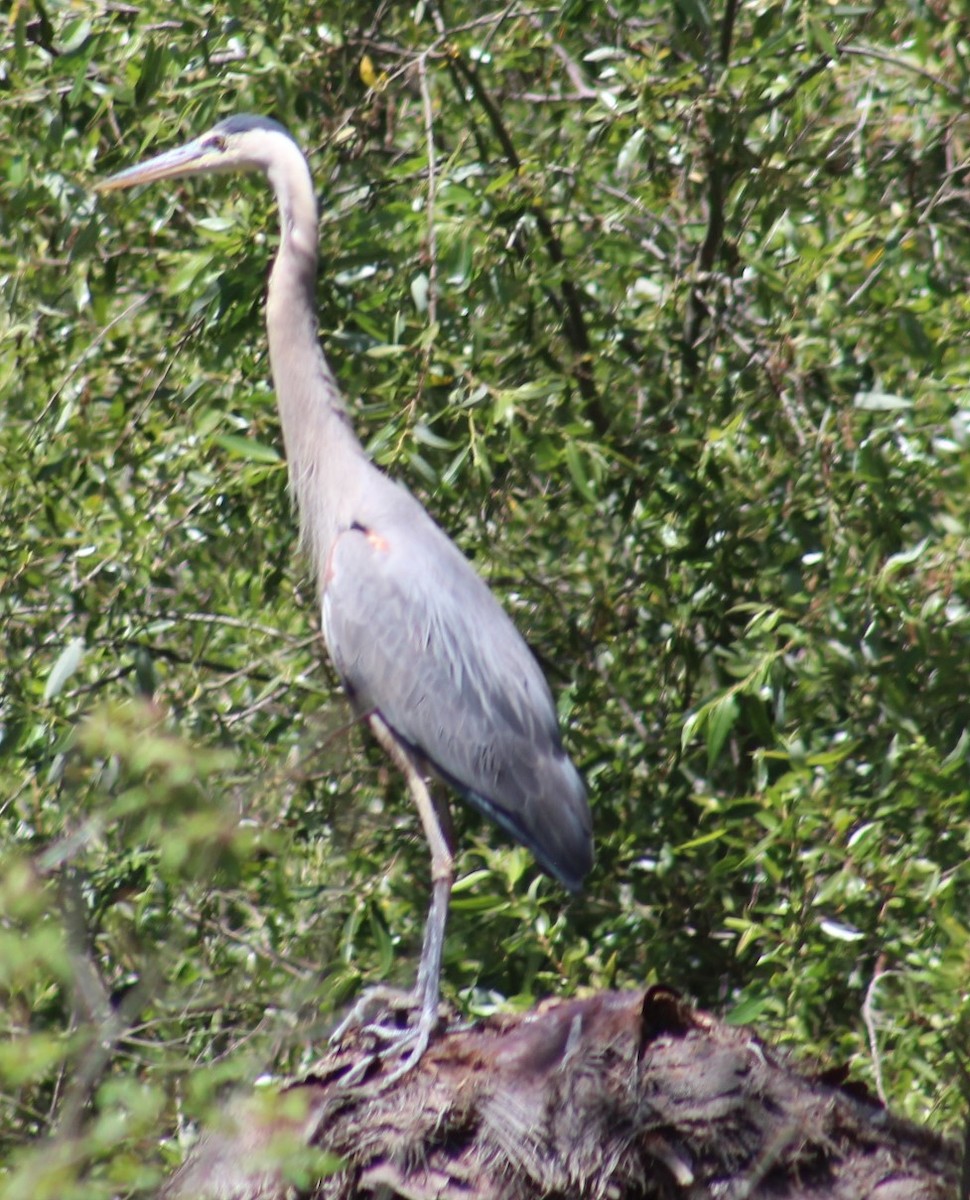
417 637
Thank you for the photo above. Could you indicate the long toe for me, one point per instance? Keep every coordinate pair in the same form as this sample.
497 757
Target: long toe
410 1047
399 1047
390 1025
378 1001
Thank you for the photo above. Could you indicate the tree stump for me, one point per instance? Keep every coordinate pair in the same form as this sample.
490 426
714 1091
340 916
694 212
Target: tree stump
622 1095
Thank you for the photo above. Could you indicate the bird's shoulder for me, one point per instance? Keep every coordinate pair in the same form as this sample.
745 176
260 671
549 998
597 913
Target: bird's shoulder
389 539
403 603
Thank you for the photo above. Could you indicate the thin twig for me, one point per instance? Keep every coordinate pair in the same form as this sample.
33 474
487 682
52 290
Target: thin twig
727 31
883 56
572 68
107 1022
820 64
432 193
869 1017
86 353
574 320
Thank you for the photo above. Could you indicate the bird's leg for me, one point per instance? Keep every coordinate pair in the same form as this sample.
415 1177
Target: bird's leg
437 827
436 821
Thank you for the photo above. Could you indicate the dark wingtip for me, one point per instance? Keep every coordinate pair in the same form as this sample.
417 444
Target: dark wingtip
568 859
557 828
573 877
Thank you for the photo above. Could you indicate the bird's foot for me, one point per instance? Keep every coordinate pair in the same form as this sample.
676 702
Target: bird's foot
378 1015
374 1002
407 1045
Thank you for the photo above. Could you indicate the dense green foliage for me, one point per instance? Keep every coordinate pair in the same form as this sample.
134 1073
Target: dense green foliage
663 310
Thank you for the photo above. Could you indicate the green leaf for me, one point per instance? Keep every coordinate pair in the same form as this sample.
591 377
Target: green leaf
577 471
880 402
721 721
247 448
68 662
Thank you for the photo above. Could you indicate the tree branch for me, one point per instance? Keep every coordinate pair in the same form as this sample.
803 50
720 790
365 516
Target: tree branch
574 320
629 1095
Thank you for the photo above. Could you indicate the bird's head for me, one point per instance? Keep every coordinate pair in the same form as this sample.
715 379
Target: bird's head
240 143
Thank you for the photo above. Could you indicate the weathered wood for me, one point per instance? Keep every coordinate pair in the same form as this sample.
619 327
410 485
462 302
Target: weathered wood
622 1095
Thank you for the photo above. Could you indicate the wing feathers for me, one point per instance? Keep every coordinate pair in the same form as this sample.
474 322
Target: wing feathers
417 636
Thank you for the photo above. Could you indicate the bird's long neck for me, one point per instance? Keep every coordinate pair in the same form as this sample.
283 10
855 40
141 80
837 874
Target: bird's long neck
322 449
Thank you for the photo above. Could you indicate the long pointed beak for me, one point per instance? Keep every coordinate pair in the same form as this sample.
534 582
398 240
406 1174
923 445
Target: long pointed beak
189 159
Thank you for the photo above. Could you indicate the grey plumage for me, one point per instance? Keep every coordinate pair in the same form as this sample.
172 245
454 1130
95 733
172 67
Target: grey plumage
484 720
424 650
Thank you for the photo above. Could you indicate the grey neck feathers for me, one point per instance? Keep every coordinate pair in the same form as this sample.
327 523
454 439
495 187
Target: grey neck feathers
323 453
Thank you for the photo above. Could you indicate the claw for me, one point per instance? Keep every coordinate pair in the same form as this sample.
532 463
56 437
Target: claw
415 1042
376 1000
357 1073
409 1041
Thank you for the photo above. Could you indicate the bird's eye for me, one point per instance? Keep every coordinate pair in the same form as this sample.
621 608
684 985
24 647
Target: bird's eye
216 142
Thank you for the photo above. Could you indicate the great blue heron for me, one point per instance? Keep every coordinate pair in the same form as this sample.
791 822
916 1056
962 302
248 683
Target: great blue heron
422 647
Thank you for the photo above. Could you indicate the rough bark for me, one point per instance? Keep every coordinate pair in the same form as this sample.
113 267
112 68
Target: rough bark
621 1095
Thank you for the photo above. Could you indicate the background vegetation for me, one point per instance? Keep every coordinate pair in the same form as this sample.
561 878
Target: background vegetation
663 310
